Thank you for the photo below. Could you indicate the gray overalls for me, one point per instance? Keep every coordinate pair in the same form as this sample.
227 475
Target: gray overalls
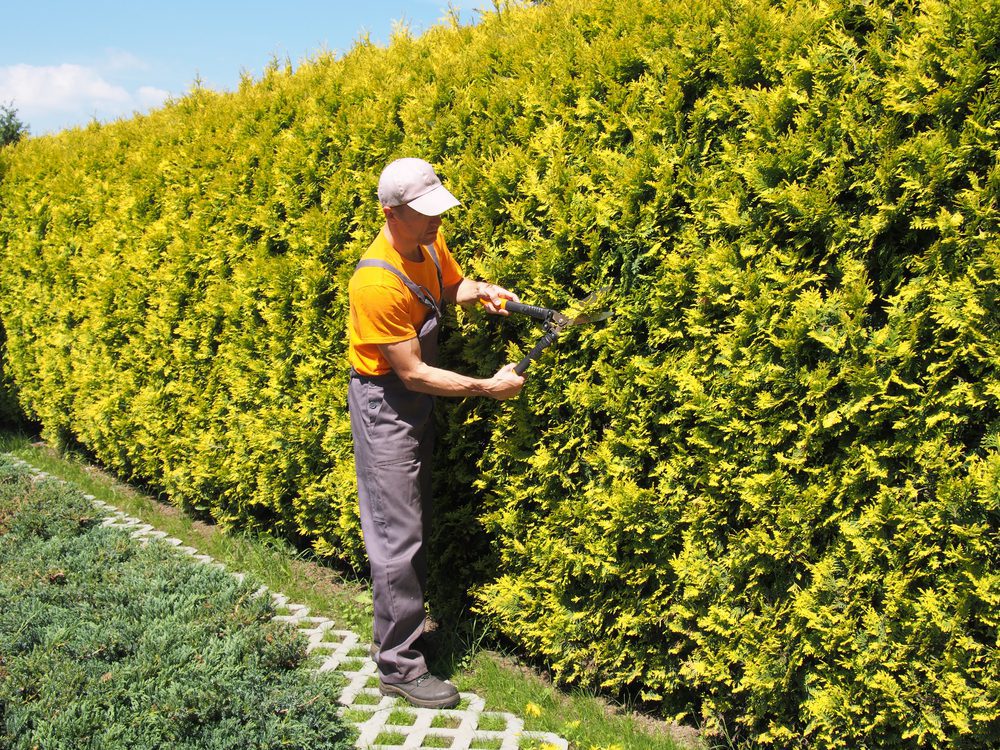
392 429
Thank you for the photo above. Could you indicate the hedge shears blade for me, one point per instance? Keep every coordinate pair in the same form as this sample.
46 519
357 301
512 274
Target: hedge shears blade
581 312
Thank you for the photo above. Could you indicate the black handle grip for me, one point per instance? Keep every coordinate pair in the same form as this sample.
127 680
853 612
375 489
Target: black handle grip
541 313
543 342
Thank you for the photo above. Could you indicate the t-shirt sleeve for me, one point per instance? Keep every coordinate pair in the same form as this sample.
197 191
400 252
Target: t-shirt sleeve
381 315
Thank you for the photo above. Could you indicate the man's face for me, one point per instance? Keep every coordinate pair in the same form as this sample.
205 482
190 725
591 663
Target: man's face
409 226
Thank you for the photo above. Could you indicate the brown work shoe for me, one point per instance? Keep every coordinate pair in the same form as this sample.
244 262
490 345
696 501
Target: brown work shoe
427 691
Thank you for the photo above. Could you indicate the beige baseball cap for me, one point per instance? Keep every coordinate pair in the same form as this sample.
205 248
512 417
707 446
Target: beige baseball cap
412 182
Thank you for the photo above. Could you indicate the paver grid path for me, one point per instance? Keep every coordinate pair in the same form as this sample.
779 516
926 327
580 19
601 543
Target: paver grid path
383 722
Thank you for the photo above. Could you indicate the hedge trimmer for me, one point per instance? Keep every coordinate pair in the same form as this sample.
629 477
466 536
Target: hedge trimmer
582 312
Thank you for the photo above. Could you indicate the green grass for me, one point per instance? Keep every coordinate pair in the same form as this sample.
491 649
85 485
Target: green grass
363 699
445 722
586 720
106 642
401 718
356 716
492 723
433 741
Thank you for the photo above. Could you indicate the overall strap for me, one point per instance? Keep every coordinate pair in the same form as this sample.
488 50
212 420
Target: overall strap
421 293
437 265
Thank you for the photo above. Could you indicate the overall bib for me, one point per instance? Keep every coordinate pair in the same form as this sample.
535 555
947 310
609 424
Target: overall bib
393 436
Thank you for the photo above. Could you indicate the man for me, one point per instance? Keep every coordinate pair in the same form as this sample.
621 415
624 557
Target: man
396 294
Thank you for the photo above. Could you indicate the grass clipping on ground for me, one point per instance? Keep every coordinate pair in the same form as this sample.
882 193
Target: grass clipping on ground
105 642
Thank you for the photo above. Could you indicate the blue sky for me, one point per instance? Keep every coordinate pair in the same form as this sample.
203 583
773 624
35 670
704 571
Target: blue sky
66 63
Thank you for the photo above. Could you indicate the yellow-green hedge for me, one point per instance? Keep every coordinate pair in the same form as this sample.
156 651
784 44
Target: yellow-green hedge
10 411
763 495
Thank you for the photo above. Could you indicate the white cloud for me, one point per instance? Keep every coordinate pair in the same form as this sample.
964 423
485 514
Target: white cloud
52 97
58 88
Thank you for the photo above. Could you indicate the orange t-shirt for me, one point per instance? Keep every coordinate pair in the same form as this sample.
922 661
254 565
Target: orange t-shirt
383 309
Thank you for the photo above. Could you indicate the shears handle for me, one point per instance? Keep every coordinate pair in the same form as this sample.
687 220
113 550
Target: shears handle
541 313
540 345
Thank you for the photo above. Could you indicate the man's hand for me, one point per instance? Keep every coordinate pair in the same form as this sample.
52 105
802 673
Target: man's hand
470 292
506 383
492 297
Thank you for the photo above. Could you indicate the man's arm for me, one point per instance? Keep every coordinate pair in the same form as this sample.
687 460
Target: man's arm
404 357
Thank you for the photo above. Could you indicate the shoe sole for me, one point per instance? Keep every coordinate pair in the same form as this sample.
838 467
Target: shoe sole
385 689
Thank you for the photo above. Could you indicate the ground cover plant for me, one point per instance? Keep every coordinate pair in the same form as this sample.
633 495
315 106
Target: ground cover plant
106 643
763 497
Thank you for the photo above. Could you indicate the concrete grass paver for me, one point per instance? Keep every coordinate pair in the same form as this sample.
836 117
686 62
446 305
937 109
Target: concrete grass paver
383 722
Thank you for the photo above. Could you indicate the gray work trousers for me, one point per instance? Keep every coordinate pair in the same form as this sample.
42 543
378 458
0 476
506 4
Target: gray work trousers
393 444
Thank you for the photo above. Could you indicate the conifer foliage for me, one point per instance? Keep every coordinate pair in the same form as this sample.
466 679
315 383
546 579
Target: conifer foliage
763 496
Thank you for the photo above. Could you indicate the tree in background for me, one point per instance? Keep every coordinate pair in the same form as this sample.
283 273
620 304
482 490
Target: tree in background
11 128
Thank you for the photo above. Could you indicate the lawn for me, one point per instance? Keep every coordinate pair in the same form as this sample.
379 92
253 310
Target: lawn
107 642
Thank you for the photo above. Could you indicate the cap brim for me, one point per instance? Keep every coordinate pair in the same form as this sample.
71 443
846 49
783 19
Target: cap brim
434 202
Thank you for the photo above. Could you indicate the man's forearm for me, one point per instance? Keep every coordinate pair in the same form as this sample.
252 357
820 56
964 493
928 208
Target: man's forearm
467 292
439 382
406 361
